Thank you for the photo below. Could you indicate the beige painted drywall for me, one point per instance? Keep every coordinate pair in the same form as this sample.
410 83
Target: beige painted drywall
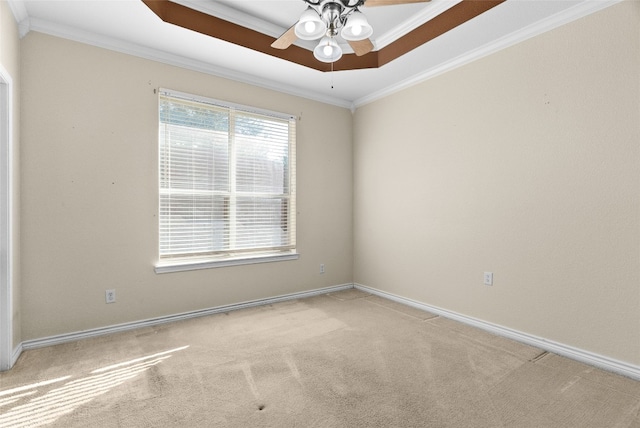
525 163
89 192
10 62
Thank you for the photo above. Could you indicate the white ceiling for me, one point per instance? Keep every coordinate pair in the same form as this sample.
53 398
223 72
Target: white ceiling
129 26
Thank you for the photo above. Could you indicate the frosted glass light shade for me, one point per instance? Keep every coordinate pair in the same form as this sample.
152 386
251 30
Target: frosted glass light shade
327 50
357 27
310 26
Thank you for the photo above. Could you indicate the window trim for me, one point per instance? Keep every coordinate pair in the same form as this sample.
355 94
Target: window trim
181 264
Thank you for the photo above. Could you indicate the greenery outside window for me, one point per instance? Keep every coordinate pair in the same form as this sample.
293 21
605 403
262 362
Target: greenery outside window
227 184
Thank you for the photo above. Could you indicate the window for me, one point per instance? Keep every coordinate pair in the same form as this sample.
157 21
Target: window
227 184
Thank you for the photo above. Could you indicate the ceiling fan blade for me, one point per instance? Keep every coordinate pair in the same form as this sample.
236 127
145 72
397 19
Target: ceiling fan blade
361 47
286 39
372 3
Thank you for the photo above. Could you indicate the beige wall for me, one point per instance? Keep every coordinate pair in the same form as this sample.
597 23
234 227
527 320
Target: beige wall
525 163
10 61
90 204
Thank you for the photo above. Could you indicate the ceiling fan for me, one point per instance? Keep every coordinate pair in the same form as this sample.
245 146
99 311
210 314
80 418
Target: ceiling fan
326 19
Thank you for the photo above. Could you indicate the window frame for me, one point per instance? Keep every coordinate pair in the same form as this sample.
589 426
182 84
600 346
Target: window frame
176 263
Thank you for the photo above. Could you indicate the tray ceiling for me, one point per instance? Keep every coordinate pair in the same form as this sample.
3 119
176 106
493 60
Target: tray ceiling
412 42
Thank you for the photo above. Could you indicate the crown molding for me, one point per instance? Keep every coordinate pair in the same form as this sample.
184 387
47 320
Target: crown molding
230 14
435 8
24 27
19 10
21 15
582 9
576 12
117 45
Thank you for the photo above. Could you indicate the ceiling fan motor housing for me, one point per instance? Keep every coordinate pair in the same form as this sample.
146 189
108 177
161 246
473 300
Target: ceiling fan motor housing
335 13
331 12
349 4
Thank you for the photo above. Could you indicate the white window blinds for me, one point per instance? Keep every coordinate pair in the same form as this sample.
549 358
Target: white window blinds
227 179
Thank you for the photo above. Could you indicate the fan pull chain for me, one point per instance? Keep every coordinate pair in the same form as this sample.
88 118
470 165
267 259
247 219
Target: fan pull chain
331 75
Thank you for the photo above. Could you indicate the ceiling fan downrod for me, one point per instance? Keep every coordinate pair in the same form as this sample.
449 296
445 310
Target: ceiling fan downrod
332 15
349 4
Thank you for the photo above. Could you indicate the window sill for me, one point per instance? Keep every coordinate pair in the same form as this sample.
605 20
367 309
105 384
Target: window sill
187 265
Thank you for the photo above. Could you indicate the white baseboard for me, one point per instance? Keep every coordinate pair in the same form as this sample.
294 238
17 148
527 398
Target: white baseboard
16 354
70 337
605 363
586 357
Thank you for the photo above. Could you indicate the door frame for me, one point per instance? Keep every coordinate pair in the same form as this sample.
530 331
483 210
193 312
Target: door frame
6 220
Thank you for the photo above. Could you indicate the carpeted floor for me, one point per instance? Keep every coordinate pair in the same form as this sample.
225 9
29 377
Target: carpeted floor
346 359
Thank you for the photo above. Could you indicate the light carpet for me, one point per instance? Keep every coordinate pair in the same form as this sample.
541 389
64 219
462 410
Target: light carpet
345 359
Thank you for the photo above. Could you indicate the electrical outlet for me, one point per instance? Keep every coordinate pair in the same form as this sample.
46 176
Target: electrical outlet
321 268
110 296
488 278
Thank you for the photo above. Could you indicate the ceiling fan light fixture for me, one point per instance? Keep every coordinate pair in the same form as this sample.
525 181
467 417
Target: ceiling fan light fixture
327 50
310 25
357 27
